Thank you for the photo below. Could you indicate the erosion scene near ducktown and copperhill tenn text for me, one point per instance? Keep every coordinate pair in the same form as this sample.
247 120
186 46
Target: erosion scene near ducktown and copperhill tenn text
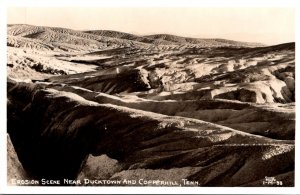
108 108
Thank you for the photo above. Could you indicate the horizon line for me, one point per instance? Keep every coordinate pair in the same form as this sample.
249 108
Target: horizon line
152 34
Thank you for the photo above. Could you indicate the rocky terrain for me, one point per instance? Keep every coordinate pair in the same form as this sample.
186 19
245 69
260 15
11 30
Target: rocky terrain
112 106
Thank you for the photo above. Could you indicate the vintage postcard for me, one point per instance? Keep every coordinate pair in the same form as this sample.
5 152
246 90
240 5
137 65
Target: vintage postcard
150 97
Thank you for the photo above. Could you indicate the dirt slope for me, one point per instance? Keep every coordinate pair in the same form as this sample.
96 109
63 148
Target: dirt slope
107 105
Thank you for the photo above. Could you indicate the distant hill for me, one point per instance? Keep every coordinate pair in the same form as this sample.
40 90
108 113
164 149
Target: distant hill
67 39
120 35
206 42
98 39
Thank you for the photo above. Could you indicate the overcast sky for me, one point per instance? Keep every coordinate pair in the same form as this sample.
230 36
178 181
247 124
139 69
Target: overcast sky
265 25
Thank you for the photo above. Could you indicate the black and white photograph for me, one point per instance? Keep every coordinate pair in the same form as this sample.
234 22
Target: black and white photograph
148 96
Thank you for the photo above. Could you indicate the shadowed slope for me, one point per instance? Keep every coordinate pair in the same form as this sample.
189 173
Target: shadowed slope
73 127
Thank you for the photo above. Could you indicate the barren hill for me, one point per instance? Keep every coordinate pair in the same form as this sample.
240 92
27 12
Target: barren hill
107 105
121 35
202 42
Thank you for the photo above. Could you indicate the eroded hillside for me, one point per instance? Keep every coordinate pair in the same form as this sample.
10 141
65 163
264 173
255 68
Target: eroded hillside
106 105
